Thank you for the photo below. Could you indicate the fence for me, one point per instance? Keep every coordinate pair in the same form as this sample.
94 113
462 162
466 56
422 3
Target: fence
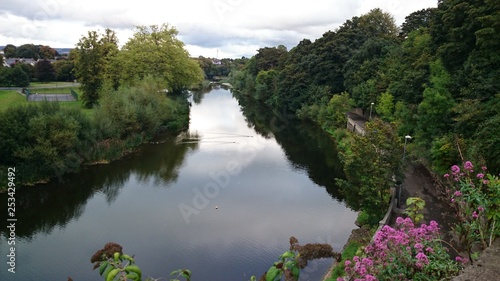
74 94
27 93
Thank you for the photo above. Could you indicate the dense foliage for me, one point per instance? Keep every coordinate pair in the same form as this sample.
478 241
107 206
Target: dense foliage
436 78
44 140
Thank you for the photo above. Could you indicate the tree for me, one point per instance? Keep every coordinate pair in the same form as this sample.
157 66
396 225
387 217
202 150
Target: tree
416 20
369 165
27 51
29 69
268 58
18 78
10 51
434 112
93 56
47 52
44 71
156 51
64 70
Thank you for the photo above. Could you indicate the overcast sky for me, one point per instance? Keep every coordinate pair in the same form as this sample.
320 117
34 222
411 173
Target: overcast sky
223 28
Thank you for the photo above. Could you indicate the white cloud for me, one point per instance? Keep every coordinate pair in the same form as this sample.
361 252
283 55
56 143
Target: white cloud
234 27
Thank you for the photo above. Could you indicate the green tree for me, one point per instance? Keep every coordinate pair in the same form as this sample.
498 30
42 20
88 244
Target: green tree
27 51
156 51
29 69
370 164
435 110
44 71
10 51
64 70
16 77
416 20
93 55
385 107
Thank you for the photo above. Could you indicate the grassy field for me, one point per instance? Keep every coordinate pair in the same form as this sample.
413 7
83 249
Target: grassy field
52 84
10 98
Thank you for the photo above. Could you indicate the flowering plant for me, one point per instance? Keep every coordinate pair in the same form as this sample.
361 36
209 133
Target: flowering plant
404 253
475 197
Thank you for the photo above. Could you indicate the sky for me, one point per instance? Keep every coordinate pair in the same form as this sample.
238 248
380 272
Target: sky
209 28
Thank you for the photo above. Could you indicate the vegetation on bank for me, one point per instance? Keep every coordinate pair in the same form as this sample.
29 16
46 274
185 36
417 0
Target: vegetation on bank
128 99
434 78
48 139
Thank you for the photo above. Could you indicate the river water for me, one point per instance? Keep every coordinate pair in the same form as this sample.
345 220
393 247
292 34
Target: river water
222 200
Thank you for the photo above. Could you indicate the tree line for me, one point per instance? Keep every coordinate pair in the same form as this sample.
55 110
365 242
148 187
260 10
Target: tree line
135 93
435 78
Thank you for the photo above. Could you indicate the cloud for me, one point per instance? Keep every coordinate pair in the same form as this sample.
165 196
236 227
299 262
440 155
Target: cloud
234 27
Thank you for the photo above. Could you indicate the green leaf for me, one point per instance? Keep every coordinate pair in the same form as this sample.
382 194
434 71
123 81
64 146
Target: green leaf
295 272
127 257
288 254
186 273
117 256
272 273
112 274
103 266
135 269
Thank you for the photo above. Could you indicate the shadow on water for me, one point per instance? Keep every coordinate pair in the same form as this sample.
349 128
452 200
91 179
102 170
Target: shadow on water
306 145
46 206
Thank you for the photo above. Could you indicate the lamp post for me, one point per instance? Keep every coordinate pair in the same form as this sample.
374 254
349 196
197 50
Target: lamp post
371 107
407 137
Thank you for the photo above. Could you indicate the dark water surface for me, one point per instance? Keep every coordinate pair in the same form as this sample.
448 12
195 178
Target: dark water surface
221 200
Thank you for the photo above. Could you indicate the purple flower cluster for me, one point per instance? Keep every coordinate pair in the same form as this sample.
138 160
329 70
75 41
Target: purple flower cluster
405 249
473 196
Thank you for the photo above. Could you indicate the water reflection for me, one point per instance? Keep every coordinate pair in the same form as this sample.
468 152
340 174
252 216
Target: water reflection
46 206
304 144
266 197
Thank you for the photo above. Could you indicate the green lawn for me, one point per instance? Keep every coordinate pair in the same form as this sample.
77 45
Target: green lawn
51 84
10 98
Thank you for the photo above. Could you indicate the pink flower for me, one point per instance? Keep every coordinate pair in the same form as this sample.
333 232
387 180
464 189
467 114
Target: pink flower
480 176
446 175
457 193
429 250
486 181
422 258
347 263
468 165
455 169
452 200
369 277
480 209
484 168
474 215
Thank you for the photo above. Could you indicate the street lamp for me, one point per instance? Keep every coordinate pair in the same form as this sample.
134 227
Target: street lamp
407 137
371 106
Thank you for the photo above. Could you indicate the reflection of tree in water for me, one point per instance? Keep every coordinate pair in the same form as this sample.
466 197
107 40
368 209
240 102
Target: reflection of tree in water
46 206
197 95
305 144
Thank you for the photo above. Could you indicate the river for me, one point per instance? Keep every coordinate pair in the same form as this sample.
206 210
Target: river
222 200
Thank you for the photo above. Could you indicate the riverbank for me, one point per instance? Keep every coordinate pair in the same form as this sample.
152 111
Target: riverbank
419 182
